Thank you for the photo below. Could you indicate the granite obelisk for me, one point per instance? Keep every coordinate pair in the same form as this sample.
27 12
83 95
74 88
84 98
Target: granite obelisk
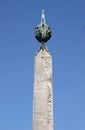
43 91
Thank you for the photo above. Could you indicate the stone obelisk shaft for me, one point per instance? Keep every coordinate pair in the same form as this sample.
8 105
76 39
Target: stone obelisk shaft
43 97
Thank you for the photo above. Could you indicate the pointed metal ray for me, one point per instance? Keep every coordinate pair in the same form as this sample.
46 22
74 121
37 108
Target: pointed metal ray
43 17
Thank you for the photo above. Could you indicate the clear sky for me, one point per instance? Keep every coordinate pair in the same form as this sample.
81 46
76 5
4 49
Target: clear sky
18 46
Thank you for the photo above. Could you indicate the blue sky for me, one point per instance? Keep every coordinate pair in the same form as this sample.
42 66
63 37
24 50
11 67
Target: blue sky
18 46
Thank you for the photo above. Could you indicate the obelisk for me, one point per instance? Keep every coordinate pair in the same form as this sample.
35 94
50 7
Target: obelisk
43 93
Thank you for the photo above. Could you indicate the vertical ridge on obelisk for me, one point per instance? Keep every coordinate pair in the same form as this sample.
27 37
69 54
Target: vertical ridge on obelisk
43 97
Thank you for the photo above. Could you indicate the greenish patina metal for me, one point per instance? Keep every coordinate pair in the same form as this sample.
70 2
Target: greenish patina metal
43 31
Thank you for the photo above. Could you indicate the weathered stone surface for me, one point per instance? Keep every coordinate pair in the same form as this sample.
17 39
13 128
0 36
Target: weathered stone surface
43 98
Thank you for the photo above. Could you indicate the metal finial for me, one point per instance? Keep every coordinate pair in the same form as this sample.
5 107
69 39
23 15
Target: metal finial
43 31
43 17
